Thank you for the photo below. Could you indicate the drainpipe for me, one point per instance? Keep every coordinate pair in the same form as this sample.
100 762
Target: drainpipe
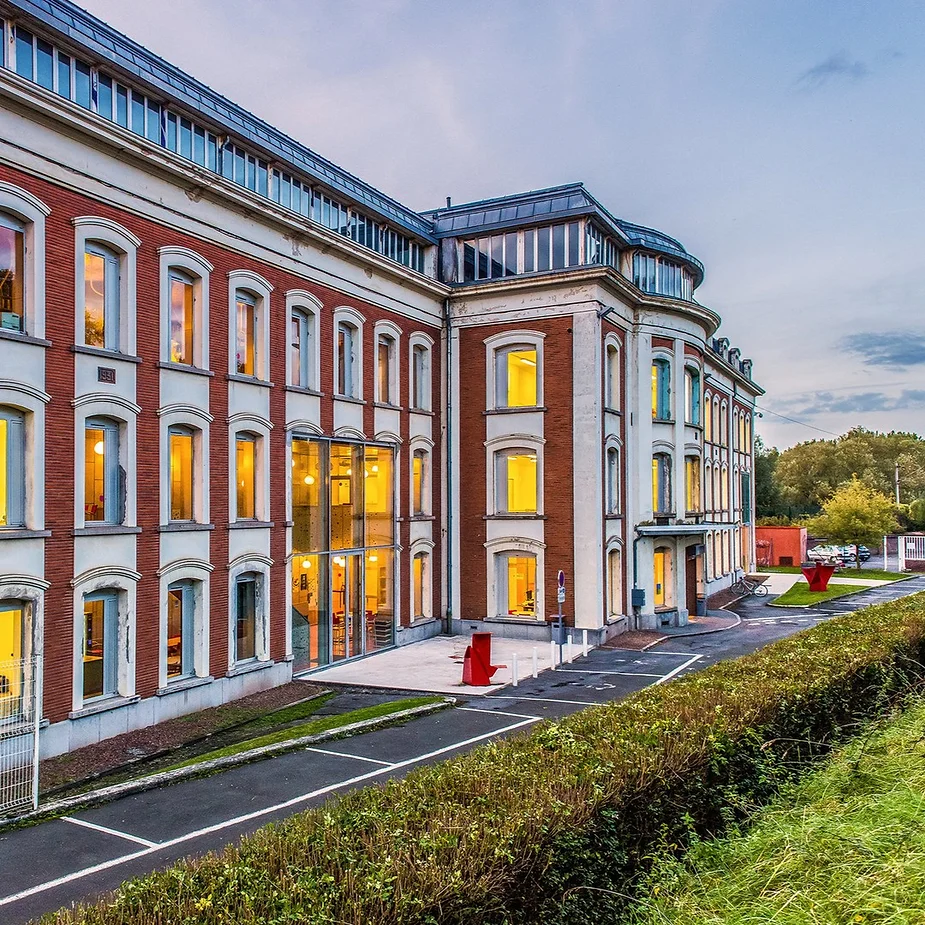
635 594
449 465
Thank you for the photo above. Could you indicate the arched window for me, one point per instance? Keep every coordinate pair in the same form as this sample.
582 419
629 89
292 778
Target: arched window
723 424
692 483
183 482
302 348
612 378
12 468
708 418
613 480
104 476
516 584
420 586
100 644
102 296
248 610
708 487
661 389
247 461
516 483
691 395
12 274
516 376
717 433
420 377
385 360
347 360
661 483
245 333
615 604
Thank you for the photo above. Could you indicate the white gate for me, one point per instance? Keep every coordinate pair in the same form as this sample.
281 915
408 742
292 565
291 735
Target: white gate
20 716
911 547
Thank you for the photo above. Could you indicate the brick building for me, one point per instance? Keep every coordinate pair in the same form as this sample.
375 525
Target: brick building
257 417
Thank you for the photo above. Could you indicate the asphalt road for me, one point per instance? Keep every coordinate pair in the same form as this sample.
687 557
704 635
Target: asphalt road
75 858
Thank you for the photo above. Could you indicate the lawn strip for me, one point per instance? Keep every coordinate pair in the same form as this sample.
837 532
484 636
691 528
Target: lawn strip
875 574
846 845
800 595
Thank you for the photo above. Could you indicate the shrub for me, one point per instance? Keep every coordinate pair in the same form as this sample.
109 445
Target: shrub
556 826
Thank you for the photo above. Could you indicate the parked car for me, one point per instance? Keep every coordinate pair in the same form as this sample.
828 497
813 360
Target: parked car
830 555
849 555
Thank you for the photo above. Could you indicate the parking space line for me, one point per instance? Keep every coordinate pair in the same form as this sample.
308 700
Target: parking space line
108 831
624 674
655 652
527 697
327 751
496 712
256 814
680 668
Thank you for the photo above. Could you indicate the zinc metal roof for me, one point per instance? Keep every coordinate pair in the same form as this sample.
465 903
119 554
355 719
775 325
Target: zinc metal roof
103 44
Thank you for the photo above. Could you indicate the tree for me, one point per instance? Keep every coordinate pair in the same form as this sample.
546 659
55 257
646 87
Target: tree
855 514
767 492
917 512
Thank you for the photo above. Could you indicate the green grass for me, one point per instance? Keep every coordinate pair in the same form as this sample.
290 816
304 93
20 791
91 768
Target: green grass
845 846
800 595
324 724
875 574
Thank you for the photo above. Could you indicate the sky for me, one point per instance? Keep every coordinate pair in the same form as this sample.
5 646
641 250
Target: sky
782 142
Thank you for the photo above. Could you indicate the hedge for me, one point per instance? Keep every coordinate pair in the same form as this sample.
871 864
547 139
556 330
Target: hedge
556 826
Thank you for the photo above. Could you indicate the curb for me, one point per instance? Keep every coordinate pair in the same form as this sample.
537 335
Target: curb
152 781
716 629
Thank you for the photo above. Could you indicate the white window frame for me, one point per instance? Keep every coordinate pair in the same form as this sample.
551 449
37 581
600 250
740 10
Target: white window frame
613 477
425 548
393 331
420 379
522 442
668 471
614 548
613 381
663 361
199 422
124 583
498 550
496 345
260 566
309 308
90 230
259 428
259 290
125 414
198 573
15 465
353 389
22 206
28 592
423 446
186 262
30 402
500 459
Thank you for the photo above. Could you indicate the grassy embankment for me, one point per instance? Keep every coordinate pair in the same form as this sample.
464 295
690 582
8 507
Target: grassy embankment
845 846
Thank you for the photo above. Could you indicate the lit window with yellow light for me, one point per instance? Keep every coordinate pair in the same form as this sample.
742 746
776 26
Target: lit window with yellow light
102 474
12 275
692 482
378 496
419 476
519 574
516 377
101 297
246 476
181 318
516 482
308 511
12 624
181 474
246 335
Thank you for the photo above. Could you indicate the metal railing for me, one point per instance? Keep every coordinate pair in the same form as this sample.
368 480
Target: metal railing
20 717
911 548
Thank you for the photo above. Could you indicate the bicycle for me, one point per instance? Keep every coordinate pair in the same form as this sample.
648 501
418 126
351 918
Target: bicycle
745 586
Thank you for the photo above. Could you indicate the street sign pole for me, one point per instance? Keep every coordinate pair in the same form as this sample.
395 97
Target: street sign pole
560 597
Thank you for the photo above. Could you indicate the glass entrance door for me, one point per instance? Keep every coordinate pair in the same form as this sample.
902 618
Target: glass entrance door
346 606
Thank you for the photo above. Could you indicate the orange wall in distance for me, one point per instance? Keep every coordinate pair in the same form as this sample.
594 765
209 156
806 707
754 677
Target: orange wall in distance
775 543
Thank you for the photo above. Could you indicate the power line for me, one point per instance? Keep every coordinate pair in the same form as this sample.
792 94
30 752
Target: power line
795 421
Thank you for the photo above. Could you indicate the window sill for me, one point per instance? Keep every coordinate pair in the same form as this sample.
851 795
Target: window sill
514 516
105 530
24 338
182 684
17 533
510 618
251 525
185 368
301 390
524 409
184 527
613 515
424 412
106 354
616 411
386 406
421 518
419 621
104 706
249 380
248 667
350 399
663 421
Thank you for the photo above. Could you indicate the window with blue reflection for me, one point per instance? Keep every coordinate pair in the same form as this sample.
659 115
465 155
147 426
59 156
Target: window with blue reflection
44 64
138 113
103 95
82 84
24 53
122 106
186 139
154 122
199 146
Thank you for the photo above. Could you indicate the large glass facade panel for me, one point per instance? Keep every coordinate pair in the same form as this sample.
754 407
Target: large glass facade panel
346 605
379 496
308 508
311 618
346 496
12 271
380 596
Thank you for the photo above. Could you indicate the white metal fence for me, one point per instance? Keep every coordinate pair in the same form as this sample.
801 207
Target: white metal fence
20 716
911 548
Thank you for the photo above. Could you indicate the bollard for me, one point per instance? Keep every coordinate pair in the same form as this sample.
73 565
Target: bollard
568 649
536 663
514 669
552 654
584 643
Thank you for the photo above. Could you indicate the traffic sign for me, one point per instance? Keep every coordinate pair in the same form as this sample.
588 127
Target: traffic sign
560 596
561 579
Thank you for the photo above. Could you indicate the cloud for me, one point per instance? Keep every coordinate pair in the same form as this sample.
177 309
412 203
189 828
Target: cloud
895 349
859 403
837 66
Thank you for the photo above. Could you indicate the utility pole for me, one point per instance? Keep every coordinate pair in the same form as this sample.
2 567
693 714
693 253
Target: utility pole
896 481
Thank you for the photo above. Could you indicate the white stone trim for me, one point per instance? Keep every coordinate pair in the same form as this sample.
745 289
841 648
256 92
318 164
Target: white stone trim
346 314
198 421
199 270
257 286
260 565
32 212
310 305
502 546
498 342
197 571
390 329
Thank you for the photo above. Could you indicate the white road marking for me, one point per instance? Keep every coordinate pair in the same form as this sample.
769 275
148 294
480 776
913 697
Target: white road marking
108 831
680 668
497 712
239 820
326 751
623 674
529 698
